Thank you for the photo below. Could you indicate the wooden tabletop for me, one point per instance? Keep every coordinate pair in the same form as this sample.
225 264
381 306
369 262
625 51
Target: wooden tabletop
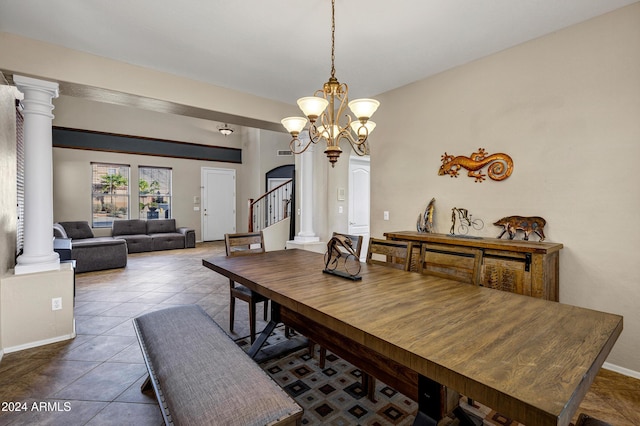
530 359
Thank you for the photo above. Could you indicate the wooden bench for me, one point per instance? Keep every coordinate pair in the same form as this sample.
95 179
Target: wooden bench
200 376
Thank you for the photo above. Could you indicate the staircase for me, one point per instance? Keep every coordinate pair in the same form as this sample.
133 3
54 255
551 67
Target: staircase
273 207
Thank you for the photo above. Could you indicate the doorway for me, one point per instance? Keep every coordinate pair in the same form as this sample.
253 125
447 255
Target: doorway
218 203
359 200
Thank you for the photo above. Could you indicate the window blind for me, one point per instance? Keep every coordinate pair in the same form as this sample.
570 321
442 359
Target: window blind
20 178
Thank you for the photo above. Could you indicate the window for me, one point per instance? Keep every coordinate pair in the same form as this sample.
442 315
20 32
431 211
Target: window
154 192
110 193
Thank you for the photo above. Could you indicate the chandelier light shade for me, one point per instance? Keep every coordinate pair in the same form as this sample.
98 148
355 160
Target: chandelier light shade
294 125
328 120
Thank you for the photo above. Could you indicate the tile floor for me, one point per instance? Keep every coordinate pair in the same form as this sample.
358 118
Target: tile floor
95 378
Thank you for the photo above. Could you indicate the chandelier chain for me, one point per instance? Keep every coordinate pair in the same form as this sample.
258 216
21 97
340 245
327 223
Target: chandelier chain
333 38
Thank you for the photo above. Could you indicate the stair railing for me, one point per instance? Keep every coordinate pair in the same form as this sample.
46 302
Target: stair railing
271 207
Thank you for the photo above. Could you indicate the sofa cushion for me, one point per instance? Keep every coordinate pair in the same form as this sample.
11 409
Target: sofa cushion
137 243
77 229
168 241
128 227
160 226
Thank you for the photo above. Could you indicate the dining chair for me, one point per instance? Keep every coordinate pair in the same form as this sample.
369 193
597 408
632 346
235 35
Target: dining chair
245 244
394 254
453 262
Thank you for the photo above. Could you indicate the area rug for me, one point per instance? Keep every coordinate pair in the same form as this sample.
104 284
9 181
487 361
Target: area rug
334 395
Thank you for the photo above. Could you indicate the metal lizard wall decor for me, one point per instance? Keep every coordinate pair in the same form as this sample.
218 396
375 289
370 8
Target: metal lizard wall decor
500 165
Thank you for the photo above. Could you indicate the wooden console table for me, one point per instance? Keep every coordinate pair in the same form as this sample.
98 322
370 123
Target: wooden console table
522 267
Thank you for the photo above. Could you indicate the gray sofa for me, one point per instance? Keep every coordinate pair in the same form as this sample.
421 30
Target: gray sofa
127 236
152 235
91 253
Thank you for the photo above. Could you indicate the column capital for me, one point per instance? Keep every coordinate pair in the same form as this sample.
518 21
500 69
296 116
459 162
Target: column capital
23 82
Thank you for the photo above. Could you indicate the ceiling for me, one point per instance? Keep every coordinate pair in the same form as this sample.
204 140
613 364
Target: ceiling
280 49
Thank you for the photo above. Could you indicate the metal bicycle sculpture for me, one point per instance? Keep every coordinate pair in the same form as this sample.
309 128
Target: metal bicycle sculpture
340 248
466 222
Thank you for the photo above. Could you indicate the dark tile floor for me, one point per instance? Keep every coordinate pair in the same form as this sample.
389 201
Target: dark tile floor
95 378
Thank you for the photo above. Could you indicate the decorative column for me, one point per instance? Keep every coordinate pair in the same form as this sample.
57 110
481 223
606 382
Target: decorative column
38 254
306 233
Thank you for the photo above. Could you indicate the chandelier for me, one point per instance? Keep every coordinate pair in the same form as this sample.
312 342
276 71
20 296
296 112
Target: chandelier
325 110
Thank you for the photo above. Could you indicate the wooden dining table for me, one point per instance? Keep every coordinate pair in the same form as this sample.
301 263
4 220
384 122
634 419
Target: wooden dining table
530 359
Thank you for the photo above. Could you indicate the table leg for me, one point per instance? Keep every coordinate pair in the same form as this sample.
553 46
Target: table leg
429 402
262 338
290 345
432 404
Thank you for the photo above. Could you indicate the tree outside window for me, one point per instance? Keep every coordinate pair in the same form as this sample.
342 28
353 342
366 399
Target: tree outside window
110 194
154 188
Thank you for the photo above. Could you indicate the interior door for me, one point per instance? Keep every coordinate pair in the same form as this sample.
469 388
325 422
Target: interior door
359 200
218 203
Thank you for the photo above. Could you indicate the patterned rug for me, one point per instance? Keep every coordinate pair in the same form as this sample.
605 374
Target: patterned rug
334 395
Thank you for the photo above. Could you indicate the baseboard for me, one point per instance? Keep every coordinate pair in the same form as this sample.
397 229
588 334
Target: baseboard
621 370
1 354
39 343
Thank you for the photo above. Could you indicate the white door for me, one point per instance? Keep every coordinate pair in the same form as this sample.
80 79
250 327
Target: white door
359 201
218 203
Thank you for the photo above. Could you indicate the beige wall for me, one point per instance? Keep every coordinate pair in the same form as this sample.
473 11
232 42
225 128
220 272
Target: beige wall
27 317
566 107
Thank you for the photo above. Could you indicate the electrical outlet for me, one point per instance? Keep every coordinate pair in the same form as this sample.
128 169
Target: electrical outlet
386 215
56 303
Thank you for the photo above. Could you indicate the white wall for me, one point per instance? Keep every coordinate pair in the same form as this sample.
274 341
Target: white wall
566 108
